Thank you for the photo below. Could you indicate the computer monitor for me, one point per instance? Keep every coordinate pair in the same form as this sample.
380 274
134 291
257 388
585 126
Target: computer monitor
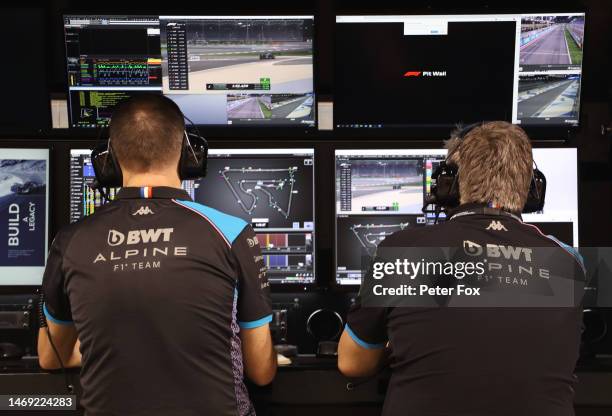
240 70
378 192
84 199
273 190
109 58
382 191
220 70
24 213
560 214
406 71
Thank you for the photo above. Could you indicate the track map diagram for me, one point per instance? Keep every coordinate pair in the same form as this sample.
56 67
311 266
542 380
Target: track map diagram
249 185
371 235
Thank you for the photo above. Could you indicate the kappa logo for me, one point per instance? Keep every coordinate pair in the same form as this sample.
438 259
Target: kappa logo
496 226
143 211
471 248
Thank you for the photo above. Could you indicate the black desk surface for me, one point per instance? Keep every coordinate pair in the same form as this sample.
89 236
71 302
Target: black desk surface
307 381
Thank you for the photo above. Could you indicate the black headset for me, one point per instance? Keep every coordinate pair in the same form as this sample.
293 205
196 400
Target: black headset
192 163
445 183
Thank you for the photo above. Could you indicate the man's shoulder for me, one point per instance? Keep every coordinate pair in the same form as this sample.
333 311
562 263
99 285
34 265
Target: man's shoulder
421 236
227 225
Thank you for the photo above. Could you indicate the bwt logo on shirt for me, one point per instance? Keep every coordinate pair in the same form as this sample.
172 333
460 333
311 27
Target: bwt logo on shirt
497 251
152 235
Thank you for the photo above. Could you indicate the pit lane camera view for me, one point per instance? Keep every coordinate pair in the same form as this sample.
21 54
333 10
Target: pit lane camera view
429 77
553 41
253 70
221 71
24 207
380 192
273 190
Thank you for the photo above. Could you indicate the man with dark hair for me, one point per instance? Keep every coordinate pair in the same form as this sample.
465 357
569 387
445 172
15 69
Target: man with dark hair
474 360
168 298
147 132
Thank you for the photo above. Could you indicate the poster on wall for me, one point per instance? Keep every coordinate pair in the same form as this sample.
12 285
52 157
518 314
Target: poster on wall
24 178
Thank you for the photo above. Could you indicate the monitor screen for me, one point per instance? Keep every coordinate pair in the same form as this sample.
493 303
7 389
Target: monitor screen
109 59
273 190
560 214
220 70
380 192
24 211
403 71
242 70
84 200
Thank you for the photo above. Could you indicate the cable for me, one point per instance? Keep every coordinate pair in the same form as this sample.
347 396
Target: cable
42 323
69 386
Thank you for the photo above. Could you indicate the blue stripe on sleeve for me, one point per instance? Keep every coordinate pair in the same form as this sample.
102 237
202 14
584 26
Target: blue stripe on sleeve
571 250
256 324
361 342
54 320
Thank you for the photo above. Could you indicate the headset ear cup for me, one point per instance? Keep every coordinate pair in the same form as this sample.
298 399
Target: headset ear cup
445 186
537 193
105 165
194 157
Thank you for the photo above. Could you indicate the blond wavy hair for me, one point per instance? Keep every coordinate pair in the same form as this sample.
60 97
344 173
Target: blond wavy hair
495 165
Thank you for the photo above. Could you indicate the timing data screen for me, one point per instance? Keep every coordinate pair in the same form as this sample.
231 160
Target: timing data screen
220 70
380 192
399 71
84 198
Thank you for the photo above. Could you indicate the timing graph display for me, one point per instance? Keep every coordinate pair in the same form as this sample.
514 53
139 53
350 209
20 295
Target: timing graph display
245 70
24 207
109 58
273 190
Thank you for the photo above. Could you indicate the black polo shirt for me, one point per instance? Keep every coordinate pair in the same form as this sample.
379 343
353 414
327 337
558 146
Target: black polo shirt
158 288
460 361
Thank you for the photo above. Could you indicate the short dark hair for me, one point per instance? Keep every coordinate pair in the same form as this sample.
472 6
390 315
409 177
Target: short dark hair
146 131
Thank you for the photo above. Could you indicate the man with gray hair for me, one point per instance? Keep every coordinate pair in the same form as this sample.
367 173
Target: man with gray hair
474 361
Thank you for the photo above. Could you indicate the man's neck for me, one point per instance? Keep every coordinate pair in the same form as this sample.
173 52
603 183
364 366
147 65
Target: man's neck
151 179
